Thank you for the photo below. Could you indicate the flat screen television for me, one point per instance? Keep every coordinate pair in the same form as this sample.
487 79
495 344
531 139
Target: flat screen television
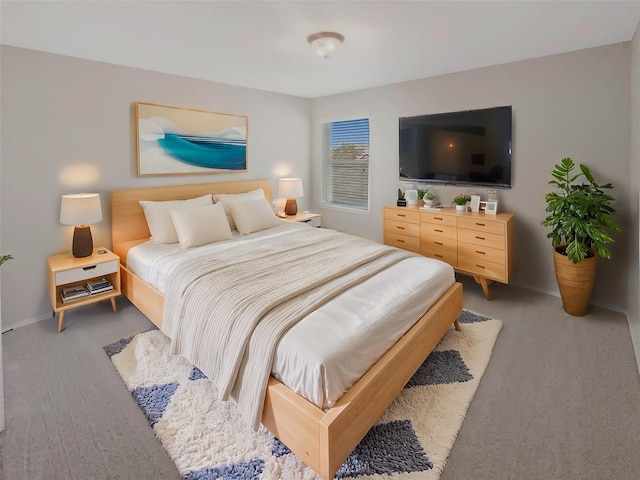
471 147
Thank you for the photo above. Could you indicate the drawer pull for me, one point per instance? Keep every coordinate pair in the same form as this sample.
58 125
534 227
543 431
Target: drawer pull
480 266
438 243
438 218
400 228
481 253
399 241
480 238
436 230
480 224
91 267
437 255
401 214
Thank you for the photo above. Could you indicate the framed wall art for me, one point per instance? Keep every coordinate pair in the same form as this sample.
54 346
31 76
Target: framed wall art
176 141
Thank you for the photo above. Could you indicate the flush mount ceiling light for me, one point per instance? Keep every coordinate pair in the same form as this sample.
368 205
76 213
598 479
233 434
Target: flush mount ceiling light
324 43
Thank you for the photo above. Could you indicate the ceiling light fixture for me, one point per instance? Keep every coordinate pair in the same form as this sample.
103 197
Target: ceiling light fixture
324 43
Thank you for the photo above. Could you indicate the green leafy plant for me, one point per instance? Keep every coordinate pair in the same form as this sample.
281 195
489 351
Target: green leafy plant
462 199
5 258
580 213
426 194
400 194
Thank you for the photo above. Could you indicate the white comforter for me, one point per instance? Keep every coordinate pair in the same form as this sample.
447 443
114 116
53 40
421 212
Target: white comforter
323 355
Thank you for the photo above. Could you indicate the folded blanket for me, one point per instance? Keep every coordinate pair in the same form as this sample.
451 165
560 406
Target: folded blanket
226 312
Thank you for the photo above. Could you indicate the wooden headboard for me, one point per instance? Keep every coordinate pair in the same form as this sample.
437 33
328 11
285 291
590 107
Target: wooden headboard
128 224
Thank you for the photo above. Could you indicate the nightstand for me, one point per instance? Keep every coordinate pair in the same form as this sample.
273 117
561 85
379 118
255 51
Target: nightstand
66 271
311 219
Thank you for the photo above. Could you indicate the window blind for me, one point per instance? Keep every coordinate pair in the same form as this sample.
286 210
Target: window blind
348 163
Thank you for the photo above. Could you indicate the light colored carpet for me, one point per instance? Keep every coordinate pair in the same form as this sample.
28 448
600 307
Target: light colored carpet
206 438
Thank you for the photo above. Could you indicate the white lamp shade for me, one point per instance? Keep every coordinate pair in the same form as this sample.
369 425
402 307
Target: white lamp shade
80 209
290 188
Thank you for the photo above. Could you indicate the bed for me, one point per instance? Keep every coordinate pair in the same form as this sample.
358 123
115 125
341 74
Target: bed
322 435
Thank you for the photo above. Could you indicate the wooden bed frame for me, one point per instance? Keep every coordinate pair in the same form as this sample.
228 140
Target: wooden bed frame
322 440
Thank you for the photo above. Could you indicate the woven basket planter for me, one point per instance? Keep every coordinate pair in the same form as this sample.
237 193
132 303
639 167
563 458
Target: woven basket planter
575 281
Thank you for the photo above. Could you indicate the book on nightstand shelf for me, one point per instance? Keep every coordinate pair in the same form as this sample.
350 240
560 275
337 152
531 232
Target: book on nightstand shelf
102 285
70 294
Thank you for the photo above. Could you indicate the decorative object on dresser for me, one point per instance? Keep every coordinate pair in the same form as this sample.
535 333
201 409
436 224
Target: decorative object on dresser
427 197
475 203
81 210
290 188
402 202
411 196
461 202
411 440
175 140
475 244
73 282
581 226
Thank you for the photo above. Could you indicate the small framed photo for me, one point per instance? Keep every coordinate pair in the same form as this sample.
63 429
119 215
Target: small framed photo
491 207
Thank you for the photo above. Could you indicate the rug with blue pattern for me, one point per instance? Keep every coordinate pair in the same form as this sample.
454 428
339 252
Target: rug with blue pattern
206 438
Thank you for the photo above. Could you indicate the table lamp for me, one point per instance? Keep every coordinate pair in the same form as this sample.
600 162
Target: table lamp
290 188
81 210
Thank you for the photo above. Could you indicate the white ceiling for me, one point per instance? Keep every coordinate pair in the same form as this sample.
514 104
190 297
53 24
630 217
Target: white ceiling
262 44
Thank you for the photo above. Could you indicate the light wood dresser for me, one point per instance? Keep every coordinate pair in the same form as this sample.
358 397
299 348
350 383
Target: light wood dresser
476 244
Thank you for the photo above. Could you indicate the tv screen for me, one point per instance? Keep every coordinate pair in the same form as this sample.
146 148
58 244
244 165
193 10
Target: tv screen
472 147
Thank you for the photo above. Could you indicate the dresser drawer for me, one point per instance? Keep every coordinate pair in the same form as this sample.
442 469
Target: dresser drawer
491 240
481 225
482 268
402 241
440 231
86 272
482 252
404 228
438 218
441 248
409 216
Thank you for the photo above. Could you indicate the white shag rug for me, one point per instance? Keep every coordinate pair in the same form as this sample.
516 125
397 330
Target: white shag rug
207 439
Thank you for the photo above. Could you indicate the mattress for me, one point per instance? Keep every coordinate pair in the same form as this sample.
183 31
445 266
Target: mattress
322 356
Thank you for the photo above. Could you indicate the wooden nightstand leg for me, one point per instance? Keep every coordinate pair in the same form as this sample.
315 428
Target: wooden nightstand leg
113 304
61 321
457 325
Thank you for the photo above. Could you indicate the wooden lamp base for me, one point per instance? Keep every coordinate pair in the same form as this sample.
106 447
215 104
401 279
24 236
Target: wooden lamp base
291 207
82 241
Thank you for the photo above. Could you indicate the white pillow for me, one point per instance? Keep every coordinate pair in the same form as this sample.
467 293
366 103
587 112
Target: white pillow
228 198
159 219
253 215
200 225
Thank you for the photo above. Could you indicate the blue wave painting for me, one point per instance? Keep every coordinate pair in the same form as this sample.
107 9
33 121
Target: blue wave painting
172 140
205 152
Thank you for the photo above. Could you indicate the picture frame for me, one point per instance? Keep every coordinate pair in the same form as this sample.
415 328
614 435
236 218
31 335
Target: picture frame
490 207
180 141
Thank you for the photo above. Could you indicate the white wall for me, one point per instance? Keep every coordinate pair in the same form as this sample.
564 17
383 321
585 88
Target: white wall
60 113
634 199
574 104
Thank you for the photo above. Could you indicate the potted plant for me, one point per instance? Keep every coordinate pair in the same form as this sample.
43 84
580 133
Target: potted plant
461 201
427 197
5 258
580 219
402 202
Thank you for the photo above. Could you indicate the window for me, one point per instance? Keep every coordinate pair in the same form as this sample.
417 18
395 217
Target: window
346 163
